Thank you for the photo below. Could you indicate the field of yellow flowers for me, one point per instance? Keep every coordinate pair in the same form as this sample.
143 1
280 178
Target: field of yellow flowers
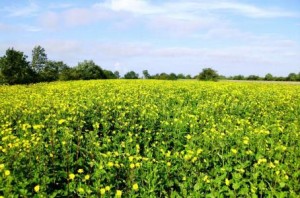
144 138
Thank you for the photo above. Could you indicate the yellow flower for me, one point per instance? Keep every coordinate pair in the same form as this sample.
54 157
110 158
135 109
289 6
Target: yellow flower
130 158
110 164
234 151
80 170
61 121
199 151
135 187
246 141
169 164
168 154
227 182
188 137
271 165
263 160
107 188
102 191
80 190
137 165
2 166
194 159
71 176
87 177
132 166
6 172
37 188
249 152
119 193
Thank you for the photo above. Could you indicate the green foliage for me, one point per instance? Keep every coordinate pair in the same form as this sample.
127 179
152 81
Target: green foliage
253 77
208 74
52 71
146 74
238 77
110 75
15 68
88 70
292 77
149 138
269 77
131 75
39 59
117 74
165 76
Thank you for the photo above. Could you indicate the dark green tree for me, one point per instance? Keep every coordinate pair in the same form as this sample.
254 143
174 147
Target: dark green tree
208 74
172 76
109 74
292 77
181 76
68 74
39 59
253 77
52 70
146 74
15 68
87 70
117 74
188 76
238 77
269 77
131 75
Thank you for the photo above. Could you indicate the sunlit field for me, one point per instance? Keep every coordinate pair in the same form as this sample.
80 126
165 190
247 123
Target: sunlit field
144 138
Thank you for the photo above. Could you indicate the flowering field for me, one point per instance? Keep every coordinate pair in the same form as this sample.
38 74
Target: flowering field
150 139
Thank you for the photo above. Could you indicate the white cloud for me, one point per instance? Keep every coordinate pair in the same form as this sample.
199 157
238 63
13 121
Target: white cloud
22 11
50 20
190 9
60 5
73 17
17 28
253 11
133 6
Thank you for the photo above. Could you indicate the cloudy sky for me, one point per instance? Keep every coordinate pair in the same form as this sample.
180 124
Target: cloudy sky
182 36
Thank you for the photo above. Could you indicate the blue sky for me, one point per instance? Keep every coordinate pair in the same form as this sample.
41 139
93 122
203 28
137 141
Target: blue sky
182 36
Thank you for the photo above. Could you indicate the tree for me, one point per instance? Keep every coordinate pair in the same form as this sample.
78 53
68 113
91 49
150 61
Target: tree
87 70
109 74
52 70
181 76
253 77
146 74
269 77
68 73
238 77
208 74
39 59
117 74
292 77
15 68
172 76
131 75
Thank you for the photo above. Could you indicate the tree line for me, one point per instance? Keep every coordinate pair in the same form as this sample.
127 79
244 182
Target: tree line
16 69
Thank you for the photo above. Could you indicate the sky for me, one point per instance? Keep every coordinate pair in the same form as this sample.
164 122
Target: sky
248 37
